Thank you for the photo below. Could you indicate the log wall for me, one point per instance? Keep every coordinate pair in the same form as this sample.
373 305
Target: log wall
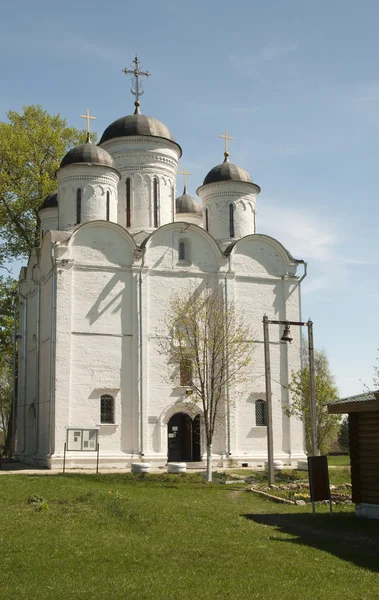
364 452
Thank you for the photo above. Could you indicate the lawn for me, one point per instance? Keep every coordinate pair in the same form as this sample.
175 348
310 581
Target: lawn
339 460
163 537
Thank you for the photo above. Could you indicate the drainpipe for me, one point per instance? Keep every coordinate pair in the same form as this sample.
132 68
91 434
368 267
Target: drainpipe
38 327
227 364
24 352
52 351
141 356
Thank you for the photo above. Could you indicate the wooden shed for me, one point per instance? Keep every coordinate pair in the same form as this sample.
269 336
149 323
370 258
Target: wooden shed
363 411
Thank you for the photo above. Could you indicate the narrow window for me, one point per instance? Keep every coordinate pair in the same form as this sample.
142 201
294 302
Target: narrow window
206 220
231 220
108 205
260 413
156 202
182 251
106 409
78 205
185 372
128 202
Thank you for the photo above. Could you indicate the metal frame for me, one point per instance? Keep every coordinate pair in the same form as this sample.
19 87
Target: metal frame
270 441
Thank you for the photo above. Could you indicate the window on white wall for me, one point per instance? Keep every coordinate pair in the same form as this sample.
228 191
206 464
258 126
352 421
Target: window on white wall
182 251
260 413
128 204
156 200
231 220
107 409
206 220
108 206
78 205
185 372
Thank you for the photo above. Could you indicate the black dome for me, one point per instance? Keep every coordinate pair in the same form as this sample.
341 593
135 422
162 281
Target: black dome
88 153
187 204
227 172
136 124
50 202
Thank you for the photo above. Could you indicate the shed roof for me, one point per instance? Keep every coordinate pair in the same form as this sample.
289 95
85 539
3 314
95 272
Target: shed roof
358 403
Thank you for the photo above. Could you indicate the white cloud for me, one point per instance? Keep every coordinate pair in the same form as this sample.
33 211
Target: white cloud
308 237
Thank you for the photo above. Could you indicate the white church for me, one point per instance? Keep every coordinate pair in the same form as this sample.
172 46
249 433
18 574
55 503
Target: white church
116 244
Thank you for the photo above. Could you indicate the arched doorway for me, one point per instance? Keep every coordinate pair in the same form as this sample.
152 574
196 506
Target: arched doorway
183 438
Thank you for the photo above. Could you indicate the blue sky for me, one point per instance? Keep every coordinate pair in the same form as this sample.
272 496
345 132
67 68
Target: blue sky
296 83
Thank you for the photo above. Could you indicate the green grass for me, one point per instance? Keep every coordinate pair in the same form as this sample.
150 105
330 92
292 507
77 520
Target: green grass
341 460
166 537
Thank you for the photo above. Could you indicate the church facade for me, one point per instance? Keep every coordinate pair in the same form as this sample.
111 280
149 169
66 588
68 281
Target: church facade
116 245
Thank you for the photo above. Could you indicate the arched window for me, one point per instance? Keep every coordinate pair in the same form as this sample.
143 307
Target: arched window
185 372
231 220
106 409
206 220
128 204
108 205
182 251
260 413
78 205
155 202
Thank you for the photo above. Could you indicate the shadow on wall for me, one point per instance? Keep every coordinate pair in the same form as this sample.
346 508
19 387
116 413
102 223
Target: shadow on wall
345 536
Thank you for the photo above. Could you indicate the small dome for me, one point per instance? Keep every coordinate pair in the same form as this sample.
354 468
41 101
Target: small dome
50 202
88 153
227 172
186 204
136 124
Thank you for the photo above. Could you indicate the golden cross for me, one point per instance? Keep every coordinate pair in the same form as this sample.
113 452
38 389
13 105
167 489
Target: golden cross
226 138
88 117
136 88
184 173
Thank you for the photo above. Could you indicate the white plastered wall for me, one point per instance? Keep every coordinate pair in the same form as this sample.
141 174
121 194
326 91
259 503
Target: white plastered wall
96 340
95 182
48 220
263 280
164 277
217 197
142 159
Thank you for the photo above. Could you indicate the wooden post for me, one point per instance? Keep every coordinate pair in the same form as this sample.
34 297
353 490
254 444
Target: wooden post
270 441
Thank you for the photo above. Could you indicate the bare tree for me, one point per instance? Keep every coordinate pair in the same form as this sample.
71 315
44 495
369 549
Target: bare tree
213 346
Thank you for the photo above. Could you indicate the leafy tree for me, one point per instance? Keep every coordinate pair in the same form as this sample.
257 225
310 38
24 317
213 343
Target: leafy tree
213 346
32 144
326 391
343 436
8 287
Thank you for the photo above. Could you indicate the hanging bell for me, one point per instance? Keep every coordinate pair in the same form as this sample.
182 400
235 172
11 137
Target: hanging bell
287 337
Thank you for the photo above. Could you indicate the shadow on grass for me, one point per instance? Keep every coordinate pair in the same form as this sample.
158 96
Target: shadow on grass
343 535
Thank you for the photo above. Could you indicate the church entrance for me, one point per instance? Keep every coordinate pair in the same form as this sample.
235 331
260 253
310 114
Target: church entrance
184 438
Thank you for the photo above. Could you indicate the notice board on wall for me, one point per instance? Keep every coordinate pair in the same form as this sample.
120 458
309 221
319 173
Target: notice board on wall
82 440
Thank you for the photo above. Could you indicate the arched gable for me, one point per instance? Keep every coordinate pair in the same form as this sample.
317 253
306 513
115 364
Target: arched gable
102 243
261 255
162 248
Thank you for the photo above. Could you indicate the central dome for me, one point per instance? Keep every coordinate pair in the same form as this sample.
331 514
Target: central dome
136 124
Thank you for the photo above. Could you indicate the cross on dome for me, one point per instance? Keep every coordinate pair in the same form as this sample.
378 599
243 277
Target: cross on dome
184 173
88 117
136 88
226 138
